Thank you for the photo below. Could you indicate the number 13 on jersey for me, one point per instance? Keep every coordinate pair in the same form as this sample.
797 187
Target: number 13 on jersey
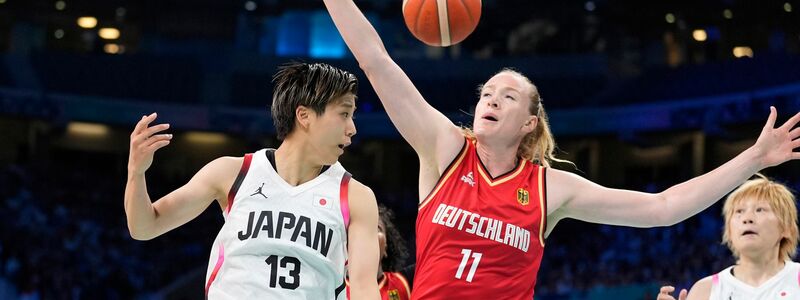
476 259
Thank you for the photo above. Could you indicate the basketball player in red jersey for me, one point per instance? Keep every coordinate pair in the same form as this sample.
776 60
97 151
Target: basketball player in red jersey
391 283
312 109
487 195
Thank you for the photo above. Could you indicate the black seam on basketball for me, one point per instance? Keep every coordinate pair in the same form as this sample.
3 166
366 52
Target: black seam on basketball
416 21
469 13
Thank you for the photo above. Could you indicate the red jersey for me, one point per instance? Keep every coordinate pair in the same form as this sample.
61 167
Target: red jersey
480 237
393 286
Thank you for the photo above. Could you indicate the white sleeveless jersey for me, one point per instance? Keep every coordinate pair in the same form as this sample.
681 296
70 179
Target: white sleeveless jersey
281 241
783 286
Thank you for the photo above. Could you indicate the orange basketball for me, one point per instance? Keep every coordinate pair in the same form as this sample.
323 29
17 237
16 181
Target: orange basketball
441 22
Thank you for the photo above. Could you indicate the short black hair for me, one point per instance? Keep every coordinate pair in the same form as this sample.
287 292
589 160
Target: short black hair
312 85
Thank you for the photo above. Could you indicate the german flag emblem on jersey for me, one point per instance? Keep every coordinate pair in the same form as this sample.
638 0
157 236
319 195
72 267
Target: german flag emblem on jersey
394 295
523 197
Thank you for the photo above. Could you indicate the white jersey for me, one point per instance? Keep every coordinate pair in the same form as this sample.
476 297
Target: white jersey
281 241
783 286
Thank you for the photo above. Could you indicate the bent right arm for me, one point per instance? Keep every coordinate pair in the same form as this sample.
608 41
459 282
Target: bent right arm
147 220
434 137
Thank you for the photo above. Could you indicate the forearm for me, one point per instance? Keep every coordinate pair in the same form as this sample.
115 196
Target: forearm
357 32
688 198
366 288
138 207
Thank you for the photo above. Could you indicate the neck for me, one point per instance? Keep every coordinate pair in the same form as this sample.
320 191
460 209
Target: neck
758 268
293 163
498 160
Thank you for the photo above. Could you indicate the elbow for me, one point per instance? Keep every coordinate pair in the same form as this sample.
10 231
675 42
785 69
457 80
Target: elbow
138 234
663 215
375 63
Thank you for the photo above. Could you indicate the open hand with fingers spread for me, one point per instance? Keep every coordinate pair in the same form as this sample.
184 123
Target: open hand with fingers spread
666 291
144 142
777 145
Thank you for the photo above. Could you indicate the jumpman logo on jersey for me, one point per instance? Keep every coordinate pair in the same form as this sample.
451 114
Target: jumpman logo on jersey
259 192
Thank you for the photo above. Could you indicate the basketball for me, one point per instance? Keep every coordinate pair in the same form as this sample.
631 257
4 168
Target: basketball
441 23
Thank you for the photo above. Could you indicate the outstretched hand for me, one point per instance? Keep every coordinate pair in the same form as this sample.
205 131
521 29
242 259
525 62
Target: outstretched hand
777 145
145 142
666 291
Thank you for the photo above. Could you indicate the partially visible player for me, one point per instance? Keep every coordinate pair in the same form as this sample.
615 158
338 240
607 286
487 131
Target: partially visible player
293 216
487 195
392 283
761 231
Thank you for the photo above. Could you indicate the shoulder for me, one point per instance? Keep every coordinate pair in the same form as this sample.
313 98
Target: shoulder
701 289
360 192
226 165
222 171
362 204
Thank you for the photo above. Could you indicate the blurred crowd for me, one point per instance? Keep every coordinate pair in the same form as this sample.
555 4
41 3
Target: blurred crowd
63 235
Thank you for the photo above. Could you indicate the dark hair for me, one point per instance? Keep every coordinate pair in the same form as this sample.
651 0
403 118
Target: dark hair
310 85
396 251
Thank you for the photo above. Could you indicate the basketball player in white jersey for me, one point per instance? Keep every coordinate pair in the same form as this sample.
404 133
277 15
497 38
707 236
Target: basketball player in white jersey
761 231
293 216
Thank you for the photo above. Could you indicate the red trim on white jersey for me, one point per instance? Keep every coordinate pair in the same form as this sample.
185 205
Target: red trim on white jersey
344 205
235 188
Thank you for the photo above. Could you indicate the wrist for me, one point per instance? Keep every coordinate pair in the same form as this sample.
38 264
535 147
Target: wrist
133 173
757 157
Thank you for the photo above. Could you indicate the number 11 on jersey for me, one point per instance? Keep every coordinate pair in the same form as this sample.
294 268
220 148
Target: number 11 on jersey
476 259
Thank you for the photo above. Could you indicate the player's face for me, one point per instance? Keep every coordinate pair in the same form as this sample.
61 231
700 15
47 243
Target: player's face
331 132
754 227
503 110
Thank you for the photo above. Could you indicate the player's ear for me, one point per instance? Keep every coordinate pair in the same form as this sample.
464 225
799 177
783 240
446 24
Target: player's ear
530 125
303 116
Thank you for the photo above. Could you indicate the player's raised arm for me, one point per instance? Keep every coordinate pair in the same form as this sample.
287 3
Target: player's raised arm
593 203
434 137
147 220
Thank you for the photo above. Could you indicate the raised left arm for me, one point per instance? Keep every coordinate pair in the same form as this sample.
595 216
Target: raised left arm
570 196
363 242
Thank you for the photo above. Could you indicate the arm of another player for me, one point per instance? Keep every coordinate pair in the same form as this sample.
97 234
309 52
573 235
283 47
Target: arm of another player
432 135
666 293
572 196
363 242
147 220
701 290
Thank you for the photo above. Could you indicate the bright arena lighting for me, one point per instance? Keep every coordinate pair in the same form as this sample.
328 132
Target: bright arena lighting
205 137
87 22
109 33
699 35
670 18
743 51
250 6
87 129
111 48
728 14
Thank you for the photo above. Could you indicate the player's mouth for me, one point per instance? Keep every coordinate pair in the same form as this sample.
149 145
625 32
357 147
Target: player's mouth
749 233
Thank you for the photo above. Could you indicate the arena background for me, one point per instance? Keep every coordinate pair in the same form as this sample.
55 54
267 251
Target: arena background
641 95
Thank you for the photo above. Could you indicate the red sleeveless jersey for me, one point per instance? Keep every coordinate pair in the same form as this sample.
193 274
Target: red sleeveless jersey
480 237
